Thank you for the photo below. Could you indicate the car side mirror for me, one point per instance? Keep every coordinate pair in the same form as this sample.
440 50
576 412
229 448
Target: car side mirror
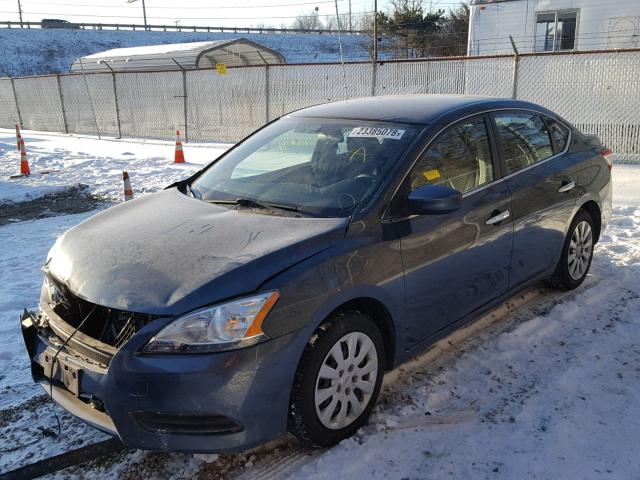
434 200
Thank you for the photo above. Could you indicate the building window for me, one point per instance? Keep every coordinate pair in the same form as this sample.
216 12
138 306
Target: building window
556 31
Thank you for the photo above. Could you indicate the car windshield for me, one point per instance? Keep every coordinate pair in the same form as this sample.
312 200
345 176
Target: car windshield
318 166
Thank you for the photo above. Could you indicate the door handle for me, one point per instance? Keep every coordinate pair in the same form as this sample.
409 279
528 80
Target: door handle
498 218
566 186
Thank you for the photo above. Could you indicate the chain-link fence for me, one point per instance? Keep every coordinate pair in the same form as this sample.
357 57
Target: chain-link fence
597 91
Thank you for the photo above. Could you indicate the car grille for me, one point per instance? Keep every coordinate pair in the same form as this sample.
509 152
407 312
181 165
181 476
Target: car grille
107 325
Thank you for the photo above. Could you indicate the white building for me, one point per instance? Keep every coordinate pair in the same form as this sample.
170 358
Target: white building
552 25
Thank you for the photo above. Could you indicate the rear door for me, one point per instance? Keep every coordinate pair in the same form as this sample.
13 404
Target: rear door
541 178
457 262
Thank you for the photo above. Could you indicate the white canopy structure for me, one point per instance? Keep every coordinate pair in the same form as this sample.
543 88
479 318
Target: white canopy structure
179 56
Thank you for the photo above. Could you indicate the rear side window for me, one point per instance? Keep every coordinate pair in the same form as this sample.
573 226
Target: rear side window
524 139
459 158
559 132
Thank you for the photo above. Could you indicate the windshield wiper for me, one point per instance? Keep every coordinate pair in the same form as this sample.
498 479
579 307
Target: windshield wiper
249 203
191 192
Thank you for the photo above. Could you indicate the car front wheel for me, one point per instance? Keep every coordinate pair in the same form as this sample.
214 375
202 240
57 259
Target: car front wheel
338 380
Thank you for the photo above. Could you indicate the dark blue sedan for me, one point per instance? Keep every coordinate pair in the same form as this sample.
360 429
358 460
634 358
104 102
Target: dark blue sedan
270 291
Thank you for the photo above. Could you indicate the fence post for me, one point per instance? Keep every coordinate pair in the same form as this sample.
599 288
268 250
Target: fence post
116 103
115 99
64 113
516 68
184 102
266 92
184 99
374 78
15 99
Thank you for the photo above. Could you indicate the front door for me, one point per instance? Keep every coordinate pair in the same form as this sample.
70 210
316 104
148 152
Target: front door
455 263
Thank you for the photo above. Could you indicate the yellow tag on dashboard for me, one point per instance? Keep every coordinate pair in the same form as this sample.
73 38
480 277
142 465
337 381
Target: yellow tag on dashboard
431 174
221 68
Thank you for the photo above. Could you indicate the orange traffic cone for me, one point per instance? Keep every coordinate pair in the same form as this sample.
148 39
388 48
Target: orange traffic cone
128 191
24 163
18 136
179 156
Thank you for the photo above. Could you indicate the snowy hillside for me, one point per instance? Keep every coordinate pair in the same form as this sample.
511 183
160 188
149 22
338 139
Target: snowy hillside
37 52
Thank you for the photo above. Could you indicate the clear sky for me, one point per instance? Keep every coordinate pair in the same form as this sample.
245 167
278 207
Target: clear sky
242 13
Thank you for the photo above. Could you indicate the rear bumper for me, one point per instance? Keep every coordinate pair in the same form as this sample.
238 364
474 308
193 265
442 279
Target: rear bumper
222 402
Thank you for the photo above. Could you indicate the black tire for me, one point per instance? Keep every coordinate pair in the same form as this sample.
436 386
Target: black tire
562 278
304 421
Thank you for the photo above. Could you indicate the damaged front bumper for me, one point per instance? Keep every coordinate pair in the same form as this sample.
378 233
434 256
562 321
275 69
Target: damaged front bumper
217 402
66 371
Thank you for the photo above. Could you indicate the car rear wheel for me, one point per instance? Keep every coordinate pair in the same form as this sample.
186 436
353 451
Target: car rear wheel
577 254
338 380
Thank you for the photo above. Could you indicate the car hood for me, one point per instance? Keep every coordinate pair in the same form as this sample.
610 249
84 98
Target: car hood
167 253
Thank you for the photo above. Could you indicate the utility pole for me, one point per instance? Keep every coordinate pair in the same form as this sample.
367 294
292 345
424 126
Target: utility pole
20 13
144 12
375 31
350 25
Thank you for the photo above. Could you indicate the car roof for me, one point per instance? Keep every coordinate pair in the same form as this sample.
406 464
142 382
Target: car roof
414 109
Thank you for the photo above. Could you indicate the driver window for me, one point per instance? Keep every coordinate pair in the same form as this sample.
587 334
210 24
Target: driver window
460 158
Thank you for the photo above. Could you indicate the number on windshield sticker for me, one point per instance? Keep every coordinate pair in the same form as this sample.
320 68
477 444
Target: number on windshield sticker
377 132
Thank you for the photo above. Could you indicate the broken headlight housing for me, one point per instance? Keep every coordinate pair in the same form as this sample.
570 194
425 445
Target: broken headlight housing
227 326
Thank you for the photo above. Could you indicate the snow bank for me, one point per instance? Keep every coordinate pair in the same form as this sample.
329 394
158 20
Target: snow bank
626 179
19 192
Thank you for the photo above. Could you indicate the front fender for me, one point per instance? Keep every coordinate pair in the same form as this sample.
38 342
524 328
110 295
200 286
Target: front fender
313 289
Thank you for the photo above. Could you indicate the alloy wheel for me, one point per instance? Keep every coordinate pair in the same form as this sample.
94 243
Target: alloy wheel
580 250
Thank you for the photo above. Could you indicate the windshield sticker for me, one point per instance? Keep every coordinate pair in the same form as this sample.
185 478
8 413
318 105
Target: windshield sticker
431 174
377 132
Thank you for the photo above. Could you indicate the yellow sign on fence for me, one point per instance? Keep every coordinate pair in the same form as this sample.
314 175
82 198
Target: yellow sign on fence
221 68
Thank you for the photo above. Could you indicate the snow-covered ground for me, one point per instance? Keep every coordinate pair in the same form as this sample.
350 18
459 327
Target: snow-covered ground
545 386
74 160
38 52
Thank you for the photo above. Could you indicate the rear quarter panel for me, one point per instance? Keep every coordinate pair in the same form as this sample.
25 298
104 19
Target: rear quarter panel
592 177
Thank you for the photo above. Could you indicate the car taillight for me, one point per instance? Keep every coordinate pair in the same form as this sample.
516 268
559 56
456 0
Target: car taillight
606 153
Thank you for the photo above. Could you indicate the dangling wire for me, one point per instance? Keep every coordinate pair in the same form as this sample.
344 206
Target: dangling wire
344 72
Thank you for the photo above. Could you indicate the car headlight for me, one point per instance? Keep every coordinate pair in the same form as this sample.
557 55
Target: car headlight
52 293
226 326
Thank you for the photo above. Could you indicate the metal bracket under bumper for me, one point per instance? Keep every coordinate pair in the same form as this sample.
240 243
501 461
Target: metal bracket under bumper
78 408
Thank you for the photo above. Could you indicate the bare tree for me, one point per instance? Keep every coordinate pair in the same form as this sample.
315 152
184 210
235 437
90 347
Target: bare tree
331 23
456 31
308 22
265 26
